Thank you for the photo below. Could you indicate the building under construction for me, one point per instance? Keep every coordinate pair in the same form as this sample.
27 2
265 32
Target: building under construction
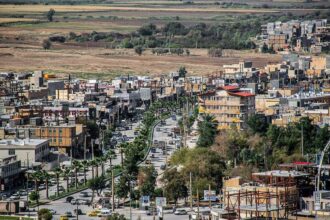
271 195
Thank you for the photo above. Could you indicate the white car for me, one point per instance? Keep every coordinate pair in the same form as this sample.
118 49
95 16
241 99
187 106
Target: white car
52 211
104 212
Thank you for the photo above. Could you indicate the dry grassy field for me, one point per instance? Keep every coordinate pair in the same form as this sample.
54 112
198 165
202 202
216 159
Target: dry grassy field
86 8
20 43
109 62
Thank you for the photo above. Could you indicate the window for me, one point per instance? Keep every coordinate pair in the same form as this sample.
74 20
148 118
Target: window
11 151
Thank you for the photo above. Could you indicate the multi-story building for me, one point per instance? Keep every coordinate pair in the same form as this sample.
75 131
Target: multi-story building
277 41
64 138
230 105
28 151
10 170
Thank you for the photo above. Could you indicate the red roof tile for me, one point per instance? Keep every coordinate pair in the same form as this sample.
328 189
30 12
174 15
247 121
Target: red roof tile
229 87
243 94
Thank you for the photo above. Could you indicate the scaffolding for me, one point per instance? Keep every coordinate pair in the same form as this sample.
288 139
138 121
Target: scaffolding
274 201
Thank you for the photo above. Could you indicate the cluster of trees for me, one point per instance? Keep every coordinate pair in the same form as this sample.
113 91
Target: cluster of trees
178 51
264 146
176 35
205 166
70 174
215 52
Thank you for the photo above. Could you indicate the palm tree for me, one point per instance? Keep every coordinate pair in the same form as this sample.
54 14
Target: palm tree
103 159
37 177
66 174
98 161
111 155
58 171
76 166
122 148
46 176
93 164
85 165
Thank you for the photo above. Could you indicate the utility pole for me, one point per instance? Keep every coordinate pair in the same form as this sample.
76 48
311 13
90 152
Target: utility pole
112 189
27 183
210 196
197 204
190 189
92 149
77 213
302 140
85 143
130 198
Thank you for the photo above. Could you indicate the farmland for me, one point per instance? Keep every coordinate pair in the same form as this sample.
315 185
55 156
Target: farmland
24 27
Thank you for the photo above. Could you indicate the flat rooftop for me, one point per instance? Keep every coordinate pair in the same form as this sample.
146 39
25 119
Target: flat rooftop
281 173
21 143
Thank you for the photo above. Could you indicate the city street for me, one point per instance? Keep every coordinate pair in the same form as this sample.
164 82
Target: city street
158 158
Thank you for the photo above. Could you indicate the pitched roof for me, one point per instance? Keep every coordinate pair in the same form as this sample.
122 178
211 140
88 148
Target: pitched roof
230 87
242 94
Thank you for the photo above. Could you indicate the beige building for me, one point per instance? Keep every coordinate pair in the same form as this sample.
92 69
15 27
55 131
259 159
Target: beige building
231 106
28 151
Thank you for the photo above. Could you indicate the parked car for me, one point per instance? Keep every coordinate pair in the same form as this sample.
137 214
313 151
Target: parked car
180 212
14 197
151 212
42 186
153 150
163 167
63 217
148 161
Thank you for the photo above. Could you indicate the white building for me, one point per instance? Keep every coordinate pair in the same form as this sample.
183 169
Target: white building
28 151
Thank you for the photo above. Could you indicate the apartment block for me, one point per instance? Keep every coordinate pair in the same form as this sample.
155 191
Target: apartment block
230 105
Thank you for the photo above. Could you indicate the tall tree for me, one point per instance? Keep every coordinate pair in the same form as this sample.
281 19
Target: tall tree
97 185
50 14
58 171
147 180
182 72
175 185
76 166
207 129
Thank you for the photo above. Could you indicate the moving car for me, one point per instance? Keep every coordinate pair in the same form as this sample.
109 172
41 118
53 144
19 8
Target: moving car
52 211
93 213
63 217
104 211
83 194
77 212
68 214
69 198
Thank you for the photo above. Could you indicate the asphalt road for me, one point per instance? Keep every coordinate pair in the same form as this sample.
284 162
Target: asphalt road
161 133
